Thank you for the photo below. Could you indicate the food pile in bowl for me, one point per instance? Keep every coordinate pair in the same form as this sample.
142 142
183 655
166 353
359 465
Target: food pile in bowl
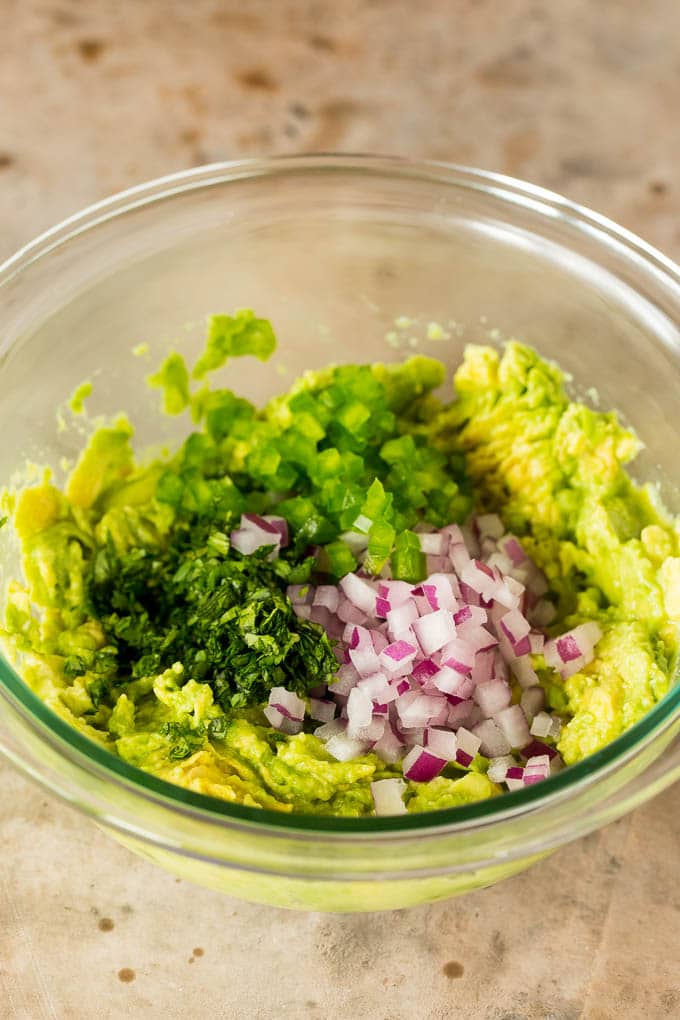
361 598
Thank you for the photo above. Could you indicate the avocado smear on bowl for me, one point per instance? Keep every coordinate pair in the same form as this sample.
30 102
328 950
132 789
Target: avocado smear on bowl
358 598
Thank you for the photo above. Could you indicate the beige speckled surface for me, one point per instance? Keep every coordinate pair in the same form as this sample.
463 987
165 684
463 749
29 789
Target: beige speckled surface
578 96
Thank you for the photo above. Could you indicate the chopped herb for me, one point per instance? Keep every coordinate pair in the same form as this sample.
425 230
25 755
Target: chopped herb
224 616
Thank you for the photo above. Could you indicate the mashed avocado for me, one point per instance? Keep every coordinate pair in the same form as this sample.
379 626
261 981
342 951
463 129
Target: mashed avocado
555 471
137 622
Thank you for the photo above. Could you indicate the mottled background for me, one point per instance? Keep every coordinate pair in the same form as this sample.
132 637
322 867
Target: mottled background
575 95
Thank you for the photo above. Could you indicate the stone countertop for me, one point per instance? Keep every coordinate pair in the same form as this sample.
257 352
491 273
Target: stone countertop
579 97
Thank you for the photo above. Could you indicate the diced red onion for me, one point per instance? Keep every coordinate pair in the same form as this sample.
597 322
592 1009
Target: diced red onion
537 747
359 710
330 729
468 746
388 797
344 748
499 766
365 660
328 596
433 545
349 613
459 654
322 710
492 696
282 722
516 628
512 548
359 592
396 658
248 541
541 724
450 681
420 766
389 747
482 671
493 743
532 702
279 524
512 723
441 743
424 670
543 613
287 702
434 630
523 670
536 769
416 709
401 617
300 594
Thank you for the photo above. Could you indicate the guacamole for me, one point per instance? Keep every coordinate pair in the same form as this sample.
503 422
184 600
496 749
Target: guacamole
146 619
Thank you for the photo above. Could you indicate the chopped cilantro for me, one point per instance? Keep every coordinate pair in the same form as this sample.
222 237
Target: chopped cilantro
224 616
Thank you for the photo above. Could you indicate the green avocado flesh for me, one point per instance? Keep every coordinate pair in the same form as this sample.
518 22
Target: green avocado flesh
138 623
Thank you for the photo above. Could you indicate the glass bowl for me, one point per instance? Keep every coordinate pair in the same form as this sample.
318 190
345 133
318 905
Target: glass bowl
333 249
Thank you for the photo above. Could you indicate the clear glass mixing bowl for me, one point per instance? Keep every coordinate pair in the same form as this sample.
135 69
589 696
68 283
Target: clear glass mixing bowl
333 249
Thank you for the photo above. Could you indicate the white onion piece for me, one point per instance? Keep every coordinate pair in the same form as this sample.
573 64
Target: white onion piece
499 766
389 747
342 747
450 681
433 544
328 596
541 725
377 687
401 617
434 630
359 710
300 594
365 660
416 710
359 592
330 729
355 542
532 702
493 742
322 710
512 723
492 696
523 671
388 796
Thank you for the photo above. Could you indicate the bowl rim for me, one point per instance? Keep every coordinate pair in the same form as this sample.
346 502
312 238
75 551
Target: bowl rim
104 764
